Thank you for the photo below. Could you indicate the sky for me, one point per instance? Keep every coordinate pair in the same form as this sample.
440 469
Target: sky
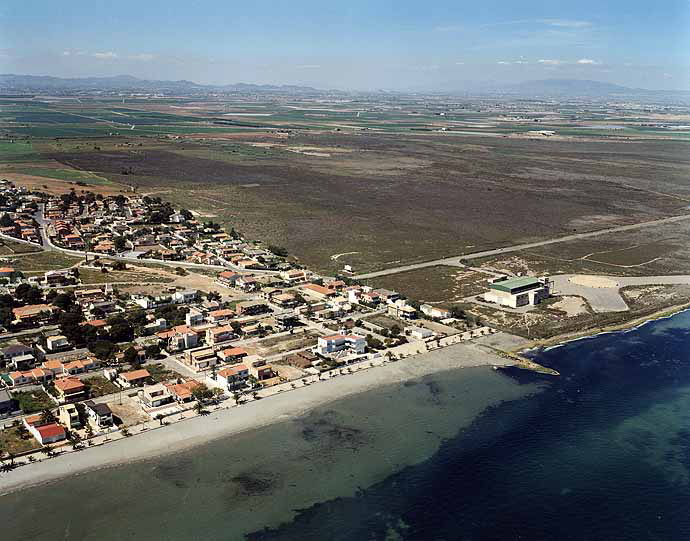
352 44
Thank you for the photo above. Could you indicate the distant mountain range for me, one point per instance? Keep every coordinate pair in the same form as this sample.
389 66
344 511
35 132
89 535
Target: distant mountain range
557 88
41 83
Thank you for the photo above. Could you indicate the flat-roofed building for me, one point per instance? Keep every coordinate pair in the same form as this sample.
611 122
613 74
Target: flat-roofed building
515 292
200 359
341 342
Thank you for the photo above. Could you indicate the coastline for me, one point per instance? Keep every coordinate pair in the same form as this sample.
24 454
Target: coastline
253 415
561 339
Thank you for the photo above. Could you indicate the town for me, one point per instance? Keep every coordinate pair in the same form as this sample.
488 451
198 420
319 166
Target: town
86 363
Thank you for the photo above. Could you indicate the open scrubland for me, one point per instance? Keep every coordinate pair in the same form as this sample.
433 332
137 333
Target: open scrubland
369 183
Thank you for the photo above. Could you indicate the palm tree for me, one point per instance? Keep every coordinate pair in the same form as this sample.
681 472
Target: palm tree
199 407
47 416
47 450
236 397
160 418
255 395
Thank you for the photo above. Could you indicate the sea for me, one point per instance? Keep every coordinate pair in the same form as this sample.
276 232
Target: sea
601 452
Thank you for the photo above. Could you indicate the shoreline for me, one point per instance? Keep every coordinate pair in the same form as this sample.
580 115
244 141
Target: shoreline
220 423
562 339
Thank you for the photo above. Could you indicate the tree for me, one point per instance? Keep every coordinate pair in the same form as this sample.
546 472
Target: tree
152 351
70 327
373 343
160 418
217 393
236 327
202 393
47 417
63 301
199 407
103 349
131 356
120 329
6 221
395 330
28 294
120 244
213 296
278 250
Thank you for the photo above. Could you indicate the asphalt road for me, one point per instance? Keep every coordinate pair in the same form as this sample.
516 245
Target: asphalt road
455 260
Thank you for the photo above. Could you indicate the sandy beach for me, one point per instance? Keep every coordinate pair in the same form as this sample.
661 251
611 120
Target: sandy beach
225 422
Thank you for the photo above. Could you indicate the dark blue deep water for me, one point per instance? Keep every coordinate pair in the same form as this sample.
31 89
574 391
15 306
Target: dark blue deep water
603 453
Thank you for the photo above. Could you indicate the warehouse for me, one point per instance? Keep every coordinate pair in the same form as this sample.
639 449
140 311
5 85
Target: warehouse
515 292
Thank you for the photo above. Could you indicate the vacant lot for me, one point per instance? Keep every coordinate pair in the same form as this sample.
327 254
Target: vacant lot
44 261
434 284
11 441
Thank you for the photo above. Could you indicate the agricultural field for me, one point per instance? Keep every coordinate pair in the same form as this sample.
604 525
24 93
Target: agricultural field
365 183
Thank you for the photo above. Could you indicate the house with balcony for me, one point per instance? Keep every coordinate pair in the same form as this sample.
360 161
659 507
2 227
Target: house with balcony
336 343
156 395
69 389
99 416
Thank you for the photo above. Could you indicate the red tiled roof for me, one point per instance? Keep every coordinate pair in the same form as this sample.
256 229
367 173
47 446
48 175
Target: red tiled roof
232 370
135 374
50 431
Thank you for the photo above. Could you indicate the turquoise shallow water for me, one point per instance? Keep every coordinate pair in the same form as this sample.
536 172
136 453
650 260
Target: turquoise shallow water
241 484
603 452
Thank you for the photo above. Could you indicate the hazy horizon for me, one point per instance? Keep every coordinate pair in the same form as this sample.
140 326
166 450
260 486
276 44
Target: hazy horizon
361 46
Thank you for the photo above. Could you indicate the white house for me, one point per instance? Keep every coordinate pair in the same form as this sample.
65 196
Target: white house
184 297
341 342
434 312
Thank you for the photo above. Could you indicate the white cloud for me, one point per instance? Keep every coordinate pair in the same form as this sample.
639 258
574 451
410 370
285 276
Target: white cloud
588 61
308 66
521 62
105 55
144 57
566 23
66 53
550 62
459 63
503 63
668 76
